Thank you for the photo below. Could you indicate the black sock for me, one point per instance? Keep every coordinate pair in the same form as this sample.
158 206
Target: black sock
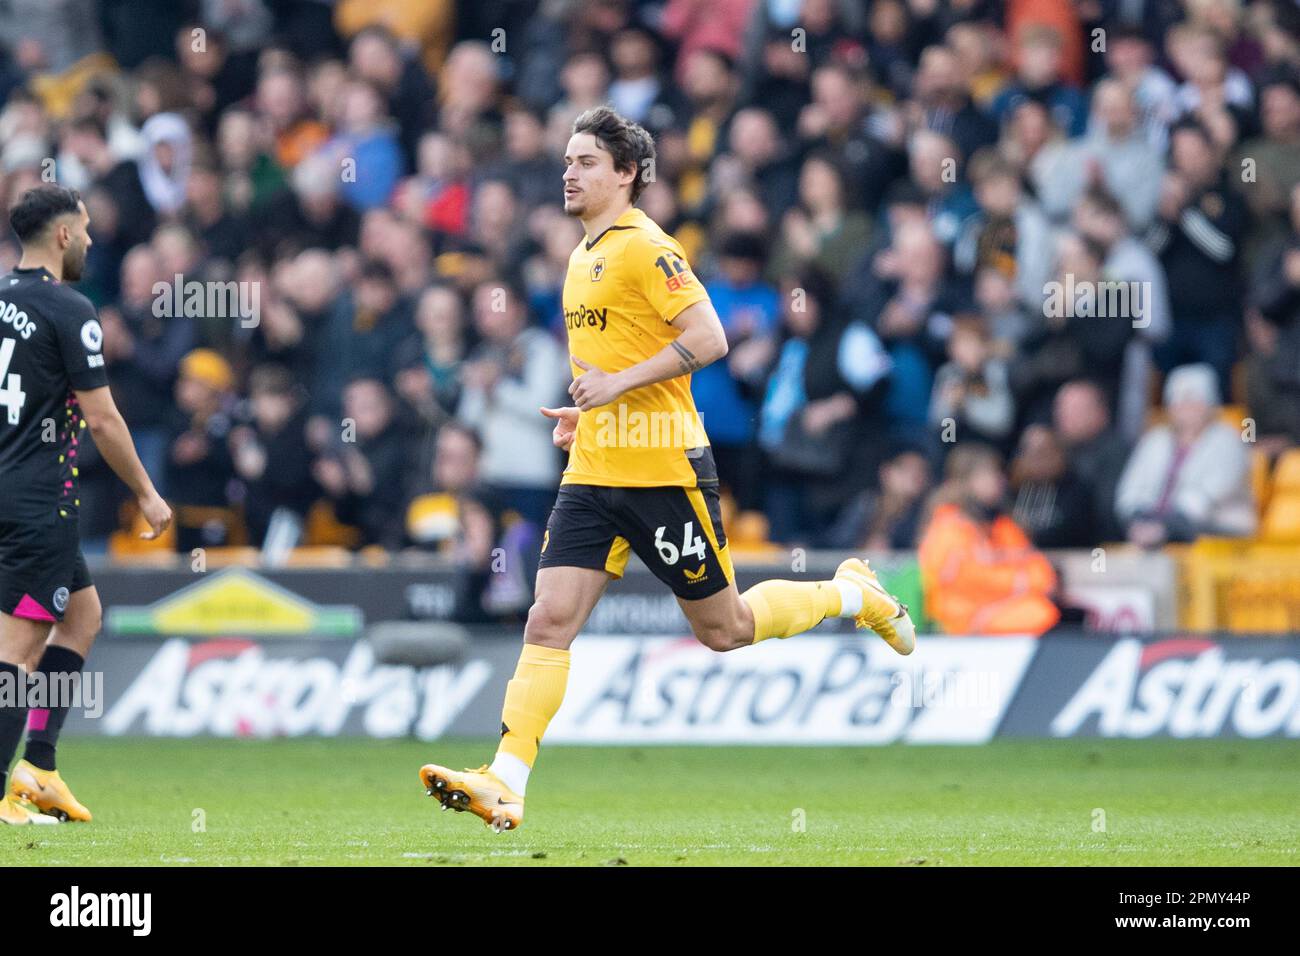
12 717
55 661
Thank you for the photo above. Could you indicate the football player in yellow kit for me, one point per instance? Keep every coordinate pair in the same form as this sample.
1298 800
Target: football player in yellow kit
640 475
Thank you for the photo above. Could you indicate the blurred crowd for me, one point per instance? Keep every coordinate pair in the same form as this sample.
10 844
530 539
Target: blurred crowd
880 198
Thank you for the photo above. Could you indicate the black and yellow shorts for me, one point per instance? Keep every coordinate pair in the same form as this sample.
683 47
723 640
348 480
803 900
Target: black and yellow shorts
677 532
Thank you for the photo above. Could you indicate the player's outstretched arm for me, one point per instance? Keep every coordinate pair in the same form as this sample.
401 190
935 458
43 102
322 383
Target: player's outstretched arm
702 341
113 439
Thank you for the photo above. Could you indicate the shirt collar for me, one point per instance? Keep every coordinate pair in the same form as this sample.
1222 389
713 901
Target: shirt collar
626 220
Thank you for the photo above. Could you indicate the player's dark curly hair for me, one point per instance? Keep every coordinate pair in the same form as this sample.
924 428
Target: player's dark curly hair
40 206
627 142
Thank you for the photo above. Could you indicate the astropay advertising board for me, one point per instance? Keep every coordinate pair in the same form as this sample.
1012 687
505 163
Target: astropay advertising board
806 690
1183 686
809 689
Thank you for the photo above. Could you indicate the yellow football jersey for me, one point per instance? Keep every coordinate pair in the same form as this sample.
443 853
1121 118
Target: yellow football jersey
622 290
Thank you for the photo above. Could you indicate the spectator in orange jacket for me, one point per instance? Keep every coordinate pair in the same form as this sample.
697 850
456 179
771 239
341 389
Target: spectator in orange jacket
980 573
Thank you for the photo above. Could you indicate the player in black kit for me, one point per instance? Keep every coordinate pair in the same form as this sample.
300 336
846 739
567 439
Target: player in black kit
53 390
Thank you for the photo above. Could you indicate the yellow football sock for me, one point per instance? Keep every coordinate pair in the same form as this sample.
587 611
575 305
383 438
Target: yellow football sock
787 608
532 698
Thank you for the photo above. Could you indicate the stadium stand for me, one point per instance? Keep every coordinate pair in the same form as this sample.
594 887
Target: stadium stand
304 213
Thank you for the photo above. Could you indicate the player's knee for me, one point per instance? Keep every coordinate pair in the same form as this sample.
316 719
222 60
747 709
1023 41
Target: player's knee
82 627
89 622
718 636
548 624
96 619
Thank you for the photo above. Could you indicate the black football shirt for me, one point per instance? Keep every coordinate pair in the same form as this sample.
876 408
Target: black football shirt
50 343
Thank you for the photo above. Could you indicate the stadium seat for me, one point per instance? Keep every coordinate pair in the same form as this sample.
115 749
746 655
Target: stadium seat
1260 480
1282 518
142 559
747 535
126 542
195 518
1286 473
319 556
1233 415
322 527
1257 607
1241 586
375 556
224 557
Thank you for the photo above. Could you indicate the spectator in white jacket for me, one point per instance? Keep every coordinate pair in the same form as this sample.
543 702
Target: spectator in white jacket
515 370
1189 477
1114 154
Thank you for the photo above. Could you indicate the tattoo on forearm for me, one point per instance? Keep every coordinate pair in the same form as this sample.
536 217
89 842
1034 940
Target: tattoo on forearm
689 362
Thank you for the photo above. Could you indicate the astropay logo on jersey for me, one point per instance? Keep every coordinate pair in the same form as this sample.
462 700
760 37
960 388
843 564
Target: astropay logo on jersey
77 909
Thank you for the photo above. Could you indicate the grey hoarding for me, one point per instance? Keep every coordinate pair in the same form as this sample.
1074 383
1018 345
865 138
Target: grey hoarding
1189 686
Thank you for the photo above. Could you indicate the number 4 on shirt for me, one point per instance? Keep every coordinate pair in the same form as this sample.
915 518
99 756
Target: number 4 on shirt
12 396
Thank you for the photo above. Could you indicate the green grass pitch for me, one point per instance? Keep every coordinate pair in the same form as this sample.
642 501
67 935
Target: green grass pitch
308 802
